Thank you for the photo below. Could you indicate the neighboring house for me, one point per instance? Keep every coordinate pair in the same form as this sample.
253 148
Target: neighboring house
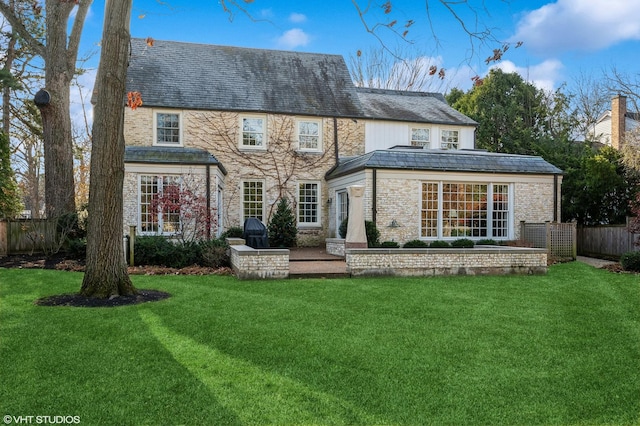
612 126
246 127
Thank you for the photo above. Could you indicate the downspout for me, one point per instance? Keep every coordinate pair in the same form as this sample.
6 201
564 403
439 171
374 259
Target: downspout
208 201
374 195
336 151
555 198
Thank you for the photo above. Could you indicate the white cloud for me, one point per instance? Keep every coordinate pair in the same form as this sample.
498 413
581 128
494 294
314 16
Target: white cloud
297 18
293 38
579 25
544 75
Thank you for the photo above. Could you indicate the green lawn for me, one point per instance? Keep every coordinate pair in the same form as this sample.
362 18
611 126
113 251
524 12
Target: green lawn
563 348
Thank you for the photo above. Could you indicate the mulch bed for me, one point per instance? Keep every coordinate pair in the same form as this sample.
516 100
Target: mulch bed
77 300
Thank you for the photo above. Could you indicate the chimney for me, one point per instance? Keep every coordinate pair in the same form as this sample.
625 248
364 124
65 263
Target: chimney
618 116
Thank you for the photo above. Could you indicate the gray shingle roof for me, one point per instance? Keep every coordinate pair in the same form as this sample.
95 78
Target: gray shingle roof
197 76
170 155
410 106
436 160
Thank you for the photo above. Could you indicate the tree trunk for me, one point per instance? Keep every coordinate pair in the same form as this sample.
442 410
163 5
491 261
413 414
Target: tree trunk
106 271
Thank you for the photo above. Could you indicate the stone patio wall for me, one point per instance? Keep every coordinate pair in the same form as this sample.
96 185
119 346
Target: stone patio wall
430 262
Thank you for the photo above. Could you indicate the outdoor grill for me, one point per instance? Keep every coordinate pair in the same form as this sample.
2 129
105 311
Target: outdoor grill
255 233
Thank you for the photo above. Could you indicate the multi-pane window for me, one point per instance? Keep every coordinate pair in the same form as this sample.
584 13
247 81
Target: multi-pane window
159 204
167 129
465 210
308 203
253 132
449 139
342 207
309 135
500 214
252 199
429 211
420 137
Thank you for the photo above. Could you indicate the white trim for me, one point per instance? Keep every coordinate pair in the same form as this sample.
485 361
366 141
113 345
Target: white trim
243 147
489 211
264 198
300 120
418 127
448 129
180 127
318 221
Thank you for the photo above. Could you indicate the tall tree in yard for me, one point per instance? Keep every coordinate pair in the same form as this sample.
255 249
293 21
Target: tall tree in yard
59 53
106 272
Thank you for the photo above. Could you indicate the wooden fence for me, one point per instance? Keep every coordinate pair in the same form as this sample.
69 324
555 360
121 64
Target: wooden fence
609 241
560 239
27 236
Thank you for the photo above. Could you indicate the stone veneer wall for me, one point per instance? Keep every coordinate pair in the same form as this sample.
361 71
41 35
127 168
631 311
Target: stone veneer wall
532 200
335 246
249 263
280 166
430 262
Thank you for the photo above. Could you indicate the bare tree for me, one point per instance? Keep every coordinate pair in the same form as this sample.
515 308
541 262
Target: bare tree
106 271
398 70
590 100
59 51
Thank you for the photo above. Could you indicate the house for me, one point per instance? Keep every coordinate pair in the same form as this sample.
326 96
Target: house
245 127
612 126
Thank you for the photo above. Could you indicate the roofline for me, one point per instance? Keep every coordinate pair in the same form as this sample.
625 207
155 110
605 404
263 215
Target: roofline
360 117
414 169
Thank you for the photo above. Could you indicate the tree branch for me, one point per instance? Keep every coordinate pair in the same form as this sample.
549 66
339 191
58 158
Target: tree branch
76 32
18 26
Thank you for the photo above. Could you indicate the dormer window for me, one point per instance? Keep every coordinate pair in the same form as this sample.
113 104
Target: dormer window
420 136
449 139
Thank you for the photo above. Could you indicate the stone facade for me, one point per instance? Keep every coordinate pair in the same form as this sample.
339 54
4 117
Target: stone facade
392 197
281 166
429 262
398 195
249 263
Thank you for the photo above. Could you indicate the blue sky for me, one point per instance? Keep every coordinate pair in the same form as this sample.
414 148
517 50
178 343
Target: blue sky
561 39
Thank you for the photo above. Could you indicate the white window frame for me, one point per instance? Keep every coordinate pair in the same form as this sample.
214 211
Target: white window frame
243 208
342 206
506 215
160 182
180 142
417 142
318 147
263 145
448 144
302 203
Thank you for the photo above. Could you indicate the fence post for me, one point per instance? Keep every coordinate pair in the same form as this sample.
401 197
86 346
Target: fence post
547 226
574 240
132 243
4 238
522 230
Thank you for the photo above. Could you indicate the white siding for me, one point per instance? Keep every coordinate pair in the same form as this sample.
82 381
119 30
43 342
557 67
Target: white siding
386 134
